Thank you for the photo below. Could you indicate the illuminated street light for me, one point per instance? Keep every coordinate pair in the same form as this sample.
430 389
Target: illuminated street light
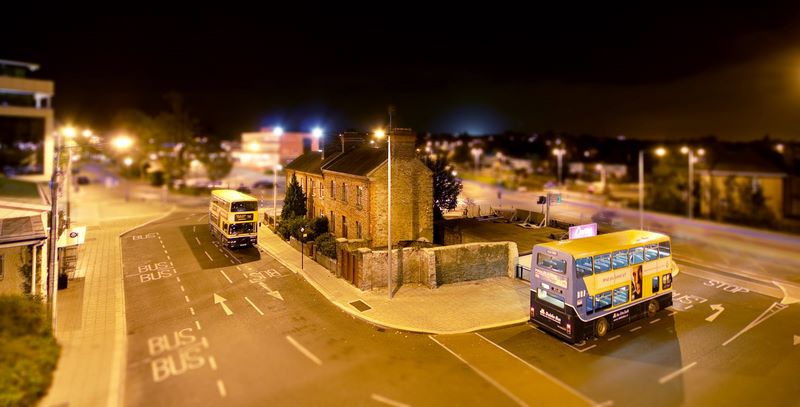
661 151
779 147
278 131
128 161
69 132
317 132
87 133
559 152
701 152
122 142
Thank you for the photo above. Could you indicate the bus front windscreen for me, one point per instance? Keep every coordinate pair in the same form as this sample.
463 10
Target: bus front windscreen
544 260
247 206
237 228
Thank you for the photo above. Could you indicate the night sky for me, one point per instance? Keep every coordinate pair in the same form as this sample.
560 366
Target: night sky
733 71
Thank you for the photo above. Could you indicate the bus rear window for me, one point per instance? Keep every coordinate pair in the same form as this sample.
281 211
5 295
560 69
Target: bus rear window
248 206
544 260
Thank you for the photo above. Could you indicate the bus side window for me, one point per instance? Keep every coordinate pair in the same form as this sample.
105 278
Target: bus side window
589 305
620 259
621 295
602 263
655 284
583 267
637 255
651 252
663 249
602 301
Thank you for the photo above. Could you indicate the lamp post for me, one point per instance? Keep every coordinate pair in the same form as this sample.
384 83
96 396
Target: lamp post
302 245
476 152
275 170
690 199
381 134
660 151
559 152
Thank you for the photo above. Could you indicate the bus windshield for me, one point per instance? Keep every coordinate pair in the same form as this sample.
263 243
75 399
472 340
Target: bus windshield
241 228
544 260
247 206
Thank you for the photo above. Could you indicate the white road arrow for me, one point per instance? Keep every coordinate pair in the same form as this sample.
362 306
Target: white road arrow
717 307
796 340
270 292
219 300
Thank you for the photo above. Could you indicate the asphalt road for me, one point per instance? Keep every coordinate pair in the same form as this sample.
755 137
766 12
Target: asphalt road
208 326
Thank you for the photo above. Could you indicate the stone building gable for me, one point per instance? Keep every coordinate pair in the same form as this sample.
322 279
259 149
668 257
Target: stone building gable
412 202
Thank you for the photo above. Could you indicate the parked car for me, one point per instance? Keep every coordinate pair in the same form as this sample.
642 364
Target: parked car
83 180
243 189
262 184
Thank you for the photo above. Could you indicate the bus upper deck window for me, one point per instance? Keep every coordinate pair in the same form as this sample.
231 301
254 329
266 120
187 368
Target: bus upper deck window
246 206
663 249
583 267
637 255
651 252
545 260
602 263
620 259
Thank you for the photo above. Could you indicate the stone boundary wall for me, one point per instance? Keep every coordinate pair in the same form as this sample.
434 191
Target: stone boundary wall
433 267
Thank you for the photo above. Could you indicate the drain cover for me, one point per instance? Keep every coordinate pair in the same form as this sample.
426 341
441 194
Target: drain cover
360 305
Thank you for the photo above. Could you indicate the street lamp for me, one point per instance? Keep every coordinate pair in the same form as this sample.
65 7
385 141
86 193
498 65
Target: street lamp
302 245
559 152
381 134
275 170
690 201
127 161
476 152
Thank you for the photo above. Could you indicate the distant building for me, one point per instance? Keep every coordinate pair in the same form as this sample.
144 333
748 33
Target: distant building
728 170
26 103
347 183
267 148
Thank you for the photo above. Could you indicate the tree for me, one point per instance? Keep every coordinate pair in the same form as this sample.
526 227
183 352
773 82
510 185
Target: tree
294 204
446 186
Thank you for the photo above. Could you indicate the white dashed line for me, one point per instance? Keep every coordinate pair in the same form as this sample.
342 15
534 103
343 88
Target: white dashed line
178 278
240 269
197 324
184 290
655 320
187 298
635 329
221 387
303 350
385 400
254 305
672 313
191 309
198 241
208 255
614 337
226 277
676 373
212 362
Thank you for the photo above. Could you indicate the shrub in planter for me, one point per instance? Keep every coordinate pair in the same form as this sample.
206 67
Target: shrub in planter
29 351
326 245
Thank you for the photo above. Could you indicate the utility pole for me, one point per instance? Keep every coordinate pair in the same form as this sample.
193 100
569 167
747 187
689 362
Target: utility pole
389 200
52 288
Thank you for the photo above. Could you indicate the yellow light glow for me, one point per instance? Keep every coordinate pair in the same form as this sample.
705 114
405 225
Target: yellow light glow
122 142
128 161
253 146
661 151
380 133
87 133
69 132
701 152
684 150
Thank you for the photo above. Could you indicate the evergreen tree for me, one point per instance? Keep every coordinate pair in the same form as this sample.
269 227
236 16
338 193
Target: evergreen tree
446 186
294 203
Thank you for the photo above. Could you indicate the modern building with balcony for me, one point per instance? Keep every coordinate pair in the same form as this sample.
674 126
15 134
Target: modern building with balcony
26 115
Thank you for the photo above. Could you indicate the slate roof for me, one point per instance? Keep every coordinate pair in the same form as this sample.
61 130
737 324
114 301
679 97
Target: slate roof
22 228
358 161
308 162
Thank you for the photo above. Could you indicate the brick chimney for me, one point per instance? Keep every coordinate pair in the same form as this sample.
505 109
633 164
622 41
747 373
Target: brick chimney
404 143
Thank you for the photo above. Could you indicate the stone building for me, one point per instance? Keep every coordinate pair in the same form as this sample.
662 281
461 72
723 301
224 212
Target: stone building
347 183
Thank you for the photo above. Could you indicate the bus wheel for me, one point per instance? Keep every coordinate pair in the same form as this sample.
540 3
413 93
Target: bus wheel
601 327
652 308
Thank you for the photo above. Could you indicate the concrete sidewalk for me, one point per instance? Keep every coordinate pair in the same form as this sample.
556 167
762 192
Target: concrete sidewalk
91 310
449 309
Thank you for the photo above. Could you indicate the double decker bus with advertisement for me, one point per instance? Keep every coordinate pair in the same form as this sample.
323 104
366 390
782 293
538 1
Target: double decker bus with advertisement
586 287
233 218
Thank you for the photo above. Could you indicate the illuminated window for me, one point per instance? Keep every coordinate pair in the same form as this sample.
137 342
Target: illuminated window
553 299
602 301
620 259
344 192
602 263
621 295
655 284
583 267
637 255
651 252
333 189
359 195
544 260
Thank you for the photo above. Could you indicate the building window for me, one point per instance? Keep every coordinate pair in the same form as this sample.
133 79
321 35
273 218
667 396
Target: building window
344 227
333 189
359 195
313 193
321 190
344 192
358 230
2 268
333 223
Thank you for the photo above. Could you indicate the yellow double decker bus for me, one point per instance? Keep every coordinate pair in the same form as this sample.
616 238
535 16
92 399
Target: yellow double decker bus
233 218
585 287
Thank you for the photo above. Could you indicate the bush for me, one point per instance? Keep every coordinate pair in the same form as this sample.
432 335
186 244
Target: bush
326 245
319 226
29 351
292 227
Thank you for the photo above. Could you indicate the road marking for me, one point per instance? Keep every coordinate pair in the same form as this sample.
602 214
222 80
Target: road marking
796 340
182 289
169 258
385 400
579 349
212 362
676 373
303 350
687 308
191 309
655 320
194 229
226 276
245 275
197 324
221 387
772 310
614 337
198 241
165 252
209 256
718 308
275 294
221 301
635 329
205 342
672 313
178 278
482 374
254 305
187 298
240 269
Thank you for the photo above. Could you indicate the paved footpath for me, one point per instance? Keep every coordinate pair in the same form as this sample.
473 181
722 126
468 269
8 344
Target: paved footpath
91 310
